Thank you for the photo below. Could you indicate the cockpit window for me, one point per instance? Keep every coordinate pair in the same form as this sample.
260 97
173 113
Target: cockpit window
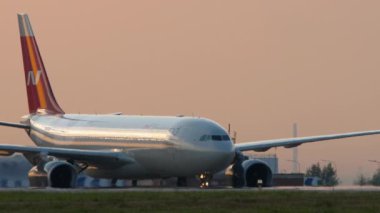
214 138
225 137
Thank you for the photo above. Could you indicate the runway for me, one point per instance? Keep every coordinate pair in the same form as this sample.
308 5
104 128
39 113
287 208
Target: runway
193 189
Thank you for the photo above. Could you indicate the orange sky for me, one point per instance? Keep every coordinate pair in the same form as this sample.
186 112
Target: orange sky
260 65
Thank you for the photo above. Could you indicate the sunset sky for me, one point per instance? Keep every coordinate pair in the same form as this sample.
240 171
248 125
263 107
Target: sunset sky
259 65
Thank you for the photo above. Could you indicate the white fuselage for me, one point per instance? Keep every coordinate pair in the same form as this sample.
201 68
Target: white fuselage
161 146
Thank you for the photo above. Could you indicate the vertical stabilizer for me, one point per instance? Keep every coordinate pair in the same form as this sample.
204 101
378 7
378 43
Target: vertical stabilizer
40 94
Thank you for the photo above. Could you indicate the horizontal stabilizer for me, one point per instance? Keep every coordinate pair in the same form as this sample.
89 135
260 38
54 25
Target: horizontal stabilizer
15 125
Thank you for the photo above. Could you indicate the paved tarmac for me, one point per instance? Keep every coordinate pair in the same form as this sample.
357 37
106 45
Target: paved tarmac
187 189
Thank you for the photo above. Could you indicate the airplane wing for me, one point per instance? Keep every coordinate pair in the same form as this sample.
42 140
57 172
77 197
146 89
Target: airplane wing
98 158
264 145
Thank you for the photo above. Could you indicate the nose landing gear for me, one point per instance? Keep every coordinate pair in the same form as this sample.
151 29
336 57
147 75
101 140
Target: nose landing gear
205 179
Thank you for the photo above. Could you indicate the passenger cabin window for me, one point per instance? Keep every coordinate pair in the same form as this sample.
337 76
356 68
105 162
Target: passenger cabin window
214 138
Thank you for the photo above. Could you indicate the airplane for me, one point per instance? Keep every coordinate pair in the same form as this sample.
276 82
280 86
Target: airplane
135 147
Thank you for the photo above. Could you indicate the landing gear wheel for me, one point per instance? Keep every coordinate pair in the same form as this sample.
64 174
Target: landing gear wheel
113 182
181 182
205 179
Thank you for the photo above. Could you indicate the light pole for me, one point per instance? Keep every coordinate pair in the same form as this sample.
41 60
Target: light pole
295 150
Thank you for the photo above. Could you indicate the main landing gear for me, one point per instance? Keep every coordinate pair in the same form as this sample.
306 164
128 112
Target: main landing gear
181 182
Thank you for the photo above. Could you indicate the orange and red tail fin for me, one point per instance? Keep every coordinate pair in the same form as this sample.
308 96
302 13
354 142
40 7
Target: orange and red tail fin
40 94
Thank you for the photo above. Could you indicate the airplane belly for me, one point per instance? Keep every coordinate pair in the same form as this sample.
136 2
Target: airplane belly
196 162
150 163
160 162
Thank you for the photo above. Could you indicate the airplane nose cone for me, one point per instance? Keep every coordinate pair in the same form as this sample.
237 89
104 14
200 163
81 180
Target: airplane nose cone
223 156
226 158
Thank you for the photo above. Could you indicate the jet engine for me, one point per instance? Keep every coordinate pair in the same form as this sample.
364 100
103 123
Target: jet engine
255 170
57 174
247 172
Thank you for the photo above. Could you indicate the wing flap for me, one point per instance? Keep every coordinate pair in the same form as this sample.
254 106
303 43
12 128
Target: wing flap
264 145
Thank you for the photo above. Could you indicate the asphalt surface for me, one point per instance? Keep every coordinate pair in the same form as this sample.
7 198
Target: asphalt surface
188 189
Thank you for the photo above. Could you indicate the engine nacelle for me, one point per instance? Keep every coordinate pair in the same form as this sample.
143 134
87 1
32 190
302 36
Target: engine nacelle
58 174
255 170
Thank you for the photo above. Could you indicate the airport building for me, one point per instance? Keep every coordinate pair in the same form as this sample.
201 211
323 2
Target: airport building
270 159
